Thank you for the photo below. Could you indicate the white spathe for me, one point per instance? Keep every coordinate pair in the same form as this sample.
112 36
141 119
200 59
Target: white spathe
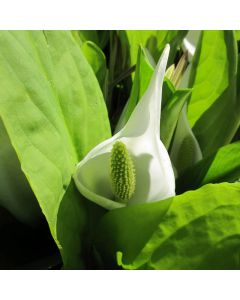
154 173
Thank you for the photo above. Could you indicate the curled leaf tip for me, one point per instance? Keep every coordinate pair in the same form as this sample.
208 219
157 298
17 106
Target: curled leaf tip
122 172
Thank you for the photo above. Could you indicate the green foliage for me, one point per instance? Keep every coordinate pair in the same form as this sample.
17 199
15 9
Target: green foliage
97 61
223 165
98 37
196 230
213 102
185 151
170 114
55 90
237 34
54 113
154 41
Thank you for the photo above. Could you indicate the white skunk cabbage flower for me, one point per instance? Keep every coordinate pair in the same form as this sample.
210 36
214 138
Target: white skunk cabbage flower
133 166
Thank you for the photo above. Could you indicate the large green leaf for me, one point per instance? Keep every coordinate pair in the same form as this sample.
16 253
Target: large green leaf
214 110
15 193
128 230
53 110
196 230
154 41
223 165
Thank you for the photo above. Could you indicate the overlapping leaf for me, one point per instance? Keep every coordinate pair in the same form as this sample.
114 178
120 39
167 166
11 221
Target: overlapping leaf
54 113
213 78
97 60
223 165
154 41
196 230
98 37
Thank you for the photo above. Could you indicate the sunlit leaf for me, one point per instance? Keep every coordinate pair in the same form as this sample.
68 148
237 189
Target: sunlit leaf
214 103
97 60
53 110
196 230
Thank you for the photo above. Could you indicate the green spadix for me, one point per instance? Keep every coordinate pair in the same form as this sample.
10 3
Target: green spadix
122 173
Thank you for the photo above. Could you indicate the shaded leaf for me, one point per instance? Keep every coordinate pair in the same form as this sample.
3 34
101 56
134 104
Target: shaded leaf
170 115
185 151
15 193
223 165
98 37
154 41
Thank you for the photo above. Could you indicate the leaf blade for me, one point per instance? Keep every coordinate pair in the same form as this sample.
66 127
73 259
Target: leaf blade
196 231
214 103
54 114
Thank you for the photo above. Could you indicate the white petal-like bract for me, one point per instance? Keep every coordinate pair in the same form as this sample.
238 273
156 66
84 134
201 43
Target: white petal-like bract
154 173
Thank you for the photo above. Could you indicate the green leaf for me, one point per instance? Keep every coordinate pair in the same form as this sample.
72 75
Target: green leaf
176 133
185 151
238 78
96 58
154 41
53 110
120 226
98 37
196 230
237 34
86 35
223 165
214 110
71 227
170 114
15 193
